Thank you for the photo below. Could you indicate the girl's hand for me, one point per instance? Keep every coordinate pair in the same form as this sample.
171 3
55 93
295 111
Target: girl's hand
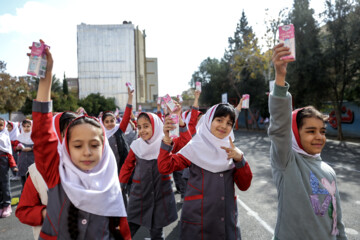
130 96
16 169
280 66
233 152
168 126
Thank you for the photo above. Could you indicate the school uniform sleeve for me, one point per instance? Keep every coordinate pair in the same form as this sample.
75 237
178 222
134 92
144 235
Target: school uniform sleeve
193 120
182 140
45 143
29 208
169 162
243 175
127 168
11 160
126 118
280 126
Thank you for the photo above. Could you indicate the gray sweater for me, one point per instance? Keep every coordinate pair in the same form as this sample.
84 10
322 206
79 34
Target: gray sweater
305 206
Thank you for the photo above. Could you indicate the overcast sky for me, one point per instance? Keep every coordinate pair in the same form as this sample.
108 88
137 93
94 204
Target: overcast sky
180 34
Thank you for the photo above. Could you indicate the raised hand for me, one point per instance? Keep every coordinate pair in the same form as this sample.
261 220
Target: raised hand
280 65
233 152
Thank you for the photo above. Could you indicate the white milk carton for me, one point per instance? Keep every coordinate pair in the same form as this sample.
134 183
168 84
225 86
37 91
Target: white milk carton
198 86
180 98
128 84
246 101
37 61
287 36
174 133
169 102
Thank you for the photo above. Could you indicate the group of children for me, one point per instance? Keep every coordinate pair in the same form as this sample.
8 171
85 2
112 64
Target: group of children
90 182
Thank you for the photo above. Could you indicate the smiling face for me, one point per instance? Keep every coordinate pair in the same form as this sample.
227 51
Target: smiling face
144 128
85 146
312 135
109 122
221 126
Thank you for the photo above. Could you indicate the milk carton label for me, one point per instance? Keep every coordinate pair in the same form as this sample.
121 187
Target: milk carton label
180 98
37 61
169 102
287 36
246 101
128 84
198 86
175 133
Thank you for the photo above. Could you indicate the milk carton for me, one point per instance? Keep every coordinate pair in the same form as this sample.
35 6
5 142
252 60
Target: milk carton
246 101
159 100
170 103
174 133
198 86
287 36
37 61
140 108
163 106
128 84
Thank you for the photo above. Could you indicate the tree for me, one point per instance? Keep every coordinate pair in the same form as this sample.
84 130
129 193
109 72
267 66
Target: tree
309 86
13 93
65 86
95 103
56 85
341 51
2 66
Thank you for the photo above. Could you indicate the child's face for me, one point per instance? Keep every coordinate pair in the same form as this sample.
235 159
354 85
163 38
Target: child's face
2 125
221 126
109 122
144 128
26 127
9 127
312 135
85 146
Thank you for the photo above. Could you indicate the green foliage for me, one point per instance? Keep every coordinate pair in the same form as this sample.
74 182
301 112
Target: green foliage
13 93
95 103
65 87
2 66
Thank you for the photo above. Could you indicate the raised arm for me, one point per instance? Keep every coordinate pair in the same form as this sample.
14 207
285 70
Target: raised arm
127 114
168 162
280 112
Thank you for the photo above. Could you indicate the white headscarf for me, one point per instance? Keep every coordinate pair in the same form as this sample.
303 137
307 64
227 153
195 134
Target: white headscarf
14 133
186 116
296 143
5 144
204 148
25 138
96 191
109 133
150 149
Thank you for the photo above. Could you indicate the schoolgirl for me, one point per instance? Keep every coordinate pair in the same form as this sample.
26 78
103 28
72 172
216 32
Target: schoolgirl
152 201
31 209
13 129
309 202
25 146
6 161
85 200
115 132
209 210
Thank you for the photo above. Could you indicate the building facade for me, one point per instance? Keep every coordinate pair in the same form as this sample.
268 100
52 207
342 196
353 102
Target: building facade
108 57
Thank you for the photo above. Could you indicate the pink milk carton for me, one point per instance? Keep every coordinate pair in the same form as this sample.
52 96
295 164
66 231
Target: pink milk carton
159 100
37 61
174 133
287 36
180 98
128 84
246 101
169 102
198 86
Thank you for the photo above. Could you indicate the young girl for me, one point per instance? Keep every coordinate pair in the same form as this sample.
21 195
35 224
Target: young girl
25 146
115 132
85 200
14 133
31 209
309 202
152 201
6 161
209 210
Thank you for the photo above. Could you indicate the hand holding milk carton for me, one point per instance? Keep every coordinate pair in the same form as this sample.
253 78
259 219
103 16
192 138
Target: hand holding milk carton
245 101
37 61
